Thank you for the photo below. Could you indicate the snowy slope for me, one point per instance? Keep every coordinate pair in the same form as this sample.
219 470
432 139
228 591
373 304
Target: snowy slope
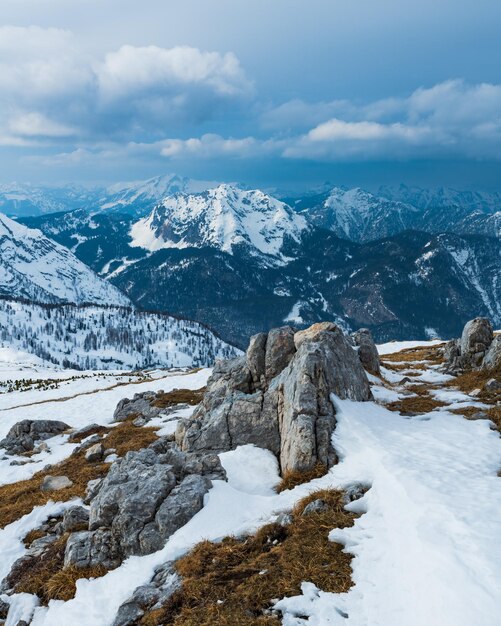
358 215
34 267
222 218
95 337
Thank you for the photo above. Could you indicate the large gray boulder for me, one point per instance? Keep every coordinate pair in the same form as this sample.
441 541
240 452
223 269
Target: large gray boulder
23 436
476 339
469 352
367 351
279 397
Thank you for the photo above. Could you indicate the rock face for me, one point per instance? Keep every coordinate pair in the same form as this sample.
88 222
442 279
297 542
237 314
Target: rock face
279 397
144 499
492 359
22 436
367 351
477 348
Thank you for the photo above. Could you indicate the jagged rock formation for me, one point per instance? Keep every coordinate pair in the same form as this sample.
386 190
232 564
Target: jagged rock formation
492 359
475 349
23 436
279 397
144 499
367 351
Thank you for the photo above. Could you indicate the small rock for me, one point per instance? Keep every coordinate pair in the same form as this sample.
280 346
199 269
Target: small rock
4 609
285 519
95 453
55 483
493 385
475 393
86 431
76 518
405 380
355 492
317 506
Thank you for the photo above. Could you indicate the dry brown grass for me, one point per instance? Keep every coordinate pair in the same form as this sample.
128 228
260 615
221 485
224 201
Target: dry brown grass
422 403
402 367
32 536
293 478
476 379
430 354
234 582
19 498
179 396
45 577
127 437
62 584
474 413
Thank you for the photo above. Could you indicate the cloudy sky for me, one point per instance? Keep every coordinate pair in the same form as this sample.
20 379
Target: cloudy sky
270 92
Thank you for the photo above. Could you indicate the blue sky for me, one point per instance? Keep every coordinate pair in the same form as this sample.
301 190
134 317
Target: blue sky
270 92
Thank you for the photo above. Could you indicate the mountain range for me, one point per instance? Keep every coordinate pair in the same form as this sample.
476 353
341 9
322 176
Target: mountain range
242 261
34 267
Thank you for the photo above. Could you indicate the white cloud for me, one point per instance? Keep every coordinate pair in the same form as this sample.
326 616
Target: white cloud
451 119
210 145
129 92
130 70
38 125
335 130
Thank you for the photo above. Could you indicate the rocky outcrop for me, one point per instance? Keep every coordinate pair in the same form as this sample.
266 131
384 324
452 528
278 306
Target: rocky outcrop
367 351
24 435
279 397
143 500
477 348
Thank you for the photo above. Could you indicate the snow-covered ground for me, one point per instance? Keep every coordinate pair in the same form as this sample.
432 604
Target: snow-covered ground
79 400
396 346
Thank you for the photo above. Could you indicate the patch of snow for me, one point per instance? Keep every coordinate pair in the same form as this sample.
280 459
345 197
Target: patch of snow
396 346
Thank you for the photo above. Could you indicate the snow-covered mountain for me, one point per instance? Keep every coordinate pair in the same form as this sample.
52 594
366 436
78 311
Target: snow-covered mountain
484 201
358 215
23 200
34 267
139 197
223 218
93 337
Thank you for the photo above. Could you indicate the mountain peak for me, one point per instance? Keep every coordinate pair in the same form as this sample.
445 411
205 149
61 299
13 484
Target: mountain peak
221 217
